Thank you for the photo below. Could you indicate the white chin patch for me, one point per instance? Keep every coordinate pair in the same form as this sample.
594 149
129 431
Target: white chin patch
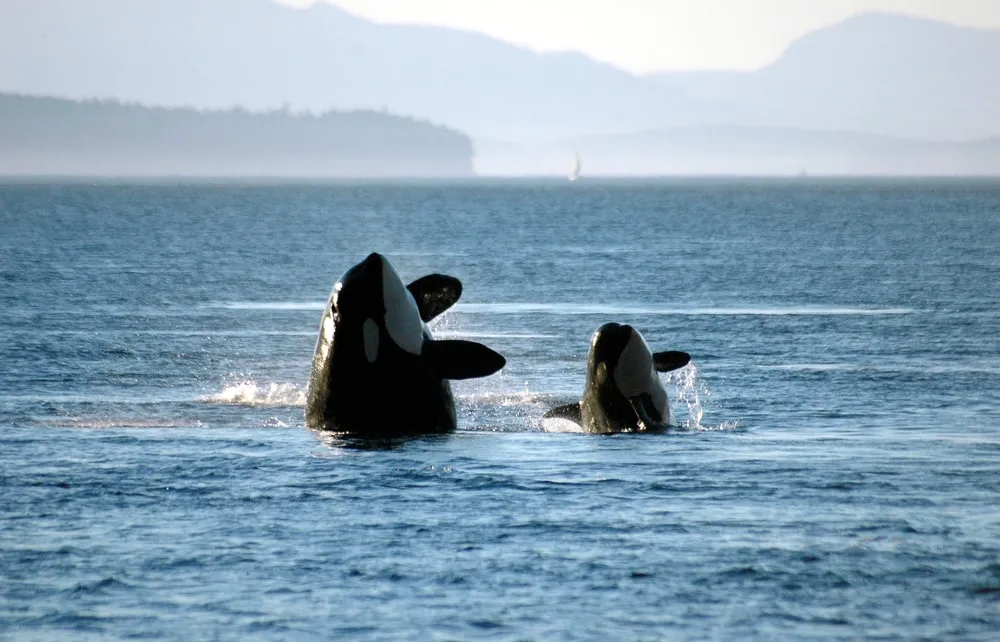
370 331
402 318
328 328
635 374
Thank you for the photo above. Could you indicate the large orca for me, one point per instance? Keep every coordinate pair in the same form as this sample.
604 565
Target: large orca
377 371
623 392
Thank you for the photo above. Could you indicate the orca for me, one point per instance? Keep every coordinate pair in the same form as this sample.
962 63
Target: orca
623 392
377 371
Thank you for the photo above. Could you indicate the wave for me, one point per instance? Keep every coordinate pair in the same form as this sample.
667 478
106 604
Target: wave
432 253
942 369
115 422
292 306
137 398
452 334
596 308
809 367
164 333
259 395
655 310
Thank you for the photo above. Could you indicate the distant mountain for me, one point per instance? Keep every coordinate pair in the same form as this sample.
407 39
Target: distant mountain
743 150
876 73
258 54
44 136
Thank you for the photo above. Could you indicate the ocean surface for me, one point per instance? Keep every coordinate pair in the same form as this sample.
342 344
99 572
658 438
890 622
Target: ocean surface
835 472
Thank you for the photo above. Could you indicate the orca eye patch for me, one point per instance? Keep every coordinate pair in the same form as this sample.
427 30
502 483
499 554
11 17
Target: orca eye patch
402 318
634 374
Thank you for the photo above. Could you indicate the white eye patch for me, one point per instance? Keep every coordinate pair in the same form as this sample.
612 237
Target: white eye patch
635 375
402 318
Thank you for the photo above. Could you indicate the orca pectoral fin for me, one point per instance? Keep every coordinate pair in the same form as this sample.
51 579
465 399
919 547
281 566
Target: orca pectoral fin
434 294
668 361
570 411
455 359
647 416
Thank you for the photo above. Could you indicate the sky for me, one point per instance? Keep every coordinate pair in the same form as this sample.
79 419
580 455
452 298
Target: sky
645 36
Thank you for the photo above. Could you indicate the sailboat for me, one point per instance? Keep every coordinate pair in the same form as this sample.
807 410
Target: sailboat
575 173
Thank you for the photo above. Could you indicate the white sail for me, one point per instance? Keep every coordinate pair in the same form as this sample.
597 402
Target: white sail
575 173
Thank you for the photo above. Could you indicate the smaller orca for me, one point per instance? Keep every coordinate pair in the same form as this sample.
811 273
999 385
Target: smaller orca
623 392
377 371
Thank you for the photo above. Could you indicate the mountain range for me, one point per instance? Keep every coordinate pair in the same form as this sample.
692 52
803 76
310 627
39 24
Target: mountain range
875 73
261 55
889 77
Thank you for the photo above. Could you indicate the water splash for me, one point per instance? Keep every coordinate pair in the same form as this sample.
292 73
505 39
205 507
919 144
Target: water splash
500 404
689 388
248 392
507 399
442 323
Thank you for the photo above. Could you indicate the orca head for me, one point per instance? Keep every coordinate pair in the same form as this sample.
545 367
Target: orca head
621 366
620 356
370 304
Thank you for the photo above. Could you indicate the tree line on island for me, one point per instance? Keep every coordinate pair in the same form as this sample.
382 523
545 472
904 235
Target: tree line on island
51 136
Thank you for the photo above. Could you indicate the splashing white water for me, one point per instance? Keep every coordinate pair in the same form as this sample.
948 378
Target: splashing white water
507 399
690 389
260 395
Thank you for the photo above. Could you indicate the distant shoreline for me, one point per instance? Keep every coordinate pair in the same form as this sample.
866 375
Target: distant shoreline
167 180
42 136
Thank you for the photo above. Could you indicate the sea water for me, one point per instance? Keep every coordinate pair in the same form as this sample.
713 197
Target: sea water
835 472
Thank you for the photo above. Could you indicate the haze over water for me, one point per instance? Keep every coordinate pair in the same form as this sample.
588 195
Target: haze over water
834 474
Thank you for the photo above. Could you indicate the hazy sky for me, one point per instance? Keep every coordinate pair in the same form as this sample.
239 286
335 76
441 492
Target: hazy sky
652 35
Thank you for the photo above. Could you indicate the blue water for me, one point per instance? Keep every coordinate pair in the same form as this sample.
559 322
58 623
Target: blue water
835 474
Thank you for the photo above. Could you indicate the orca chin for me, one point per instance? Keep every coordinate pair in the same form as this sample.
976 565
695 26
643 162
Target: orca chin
623 392
377 371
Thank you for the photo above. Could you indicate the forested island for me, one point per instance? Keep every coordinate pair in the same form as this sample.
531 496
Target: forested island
42 136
